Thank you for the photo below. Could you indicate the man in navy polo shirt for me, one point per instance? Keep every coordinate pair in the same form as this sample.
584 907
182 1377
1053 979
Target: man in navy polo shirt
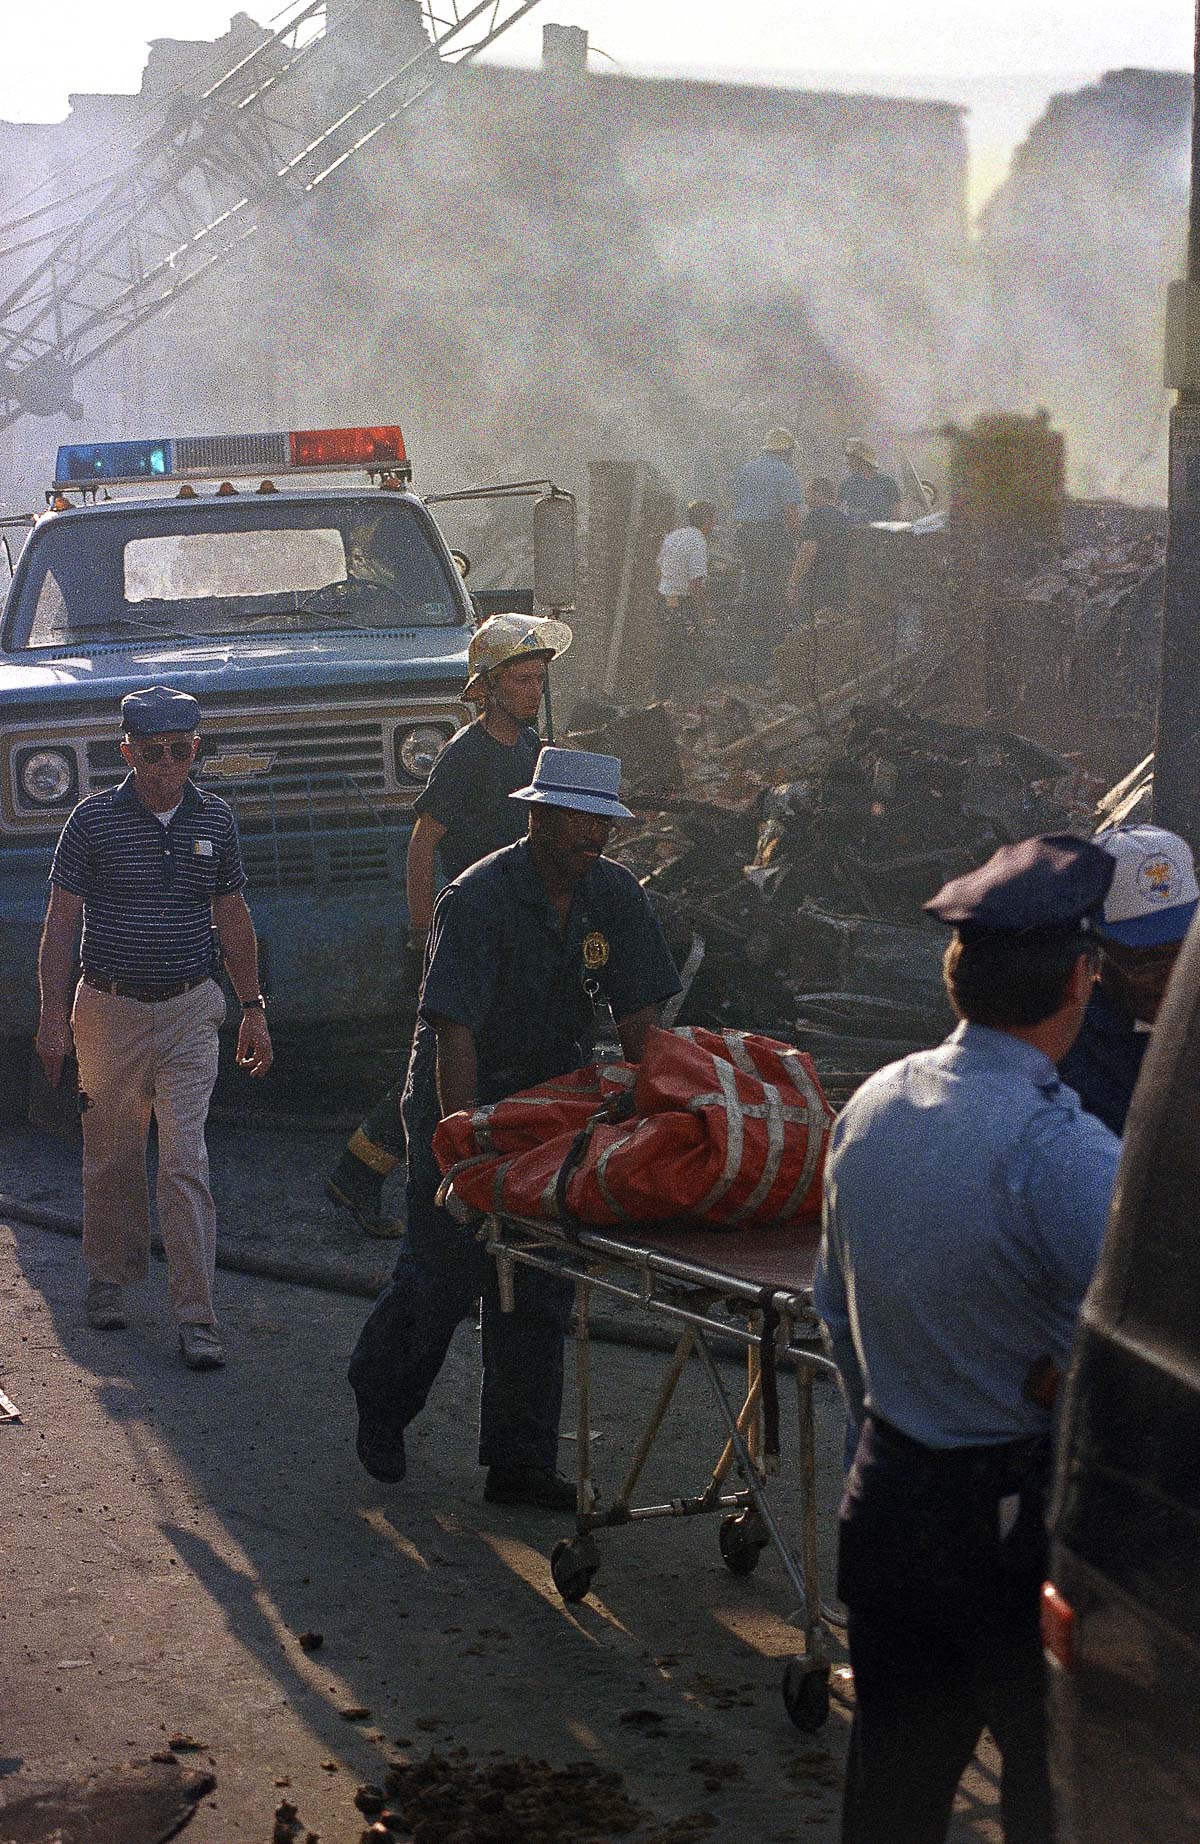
522 945
149 867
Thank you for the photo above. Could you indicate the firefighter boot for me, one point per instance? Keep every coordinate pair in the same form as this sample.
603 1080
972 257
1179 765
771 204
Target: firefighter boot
356 1183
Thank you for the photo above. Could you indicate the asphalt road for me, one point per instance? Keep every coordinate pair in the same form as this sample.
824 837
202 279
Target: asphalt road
167 1537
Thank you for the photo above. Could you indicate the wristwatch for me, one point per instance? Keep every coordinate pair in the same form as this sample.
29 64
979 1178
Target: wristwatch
256 1004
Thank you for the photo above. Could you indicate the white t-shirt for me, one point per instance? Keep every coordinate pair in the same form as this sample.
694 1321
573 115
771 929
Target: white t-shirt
682 560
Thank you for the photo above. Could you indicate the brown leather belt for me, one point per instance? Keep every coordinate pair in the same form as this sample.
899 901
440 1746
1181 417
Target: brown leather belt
149 995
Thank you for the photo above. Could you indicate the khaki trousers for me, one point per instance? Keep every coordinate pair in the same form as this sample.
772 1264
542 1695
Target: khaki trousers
138 1059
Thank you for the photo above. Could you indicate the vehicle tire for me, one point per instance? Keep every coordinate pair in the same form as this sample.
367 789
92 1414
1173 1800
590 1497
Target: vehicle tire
571 1577
741 1544
806 1694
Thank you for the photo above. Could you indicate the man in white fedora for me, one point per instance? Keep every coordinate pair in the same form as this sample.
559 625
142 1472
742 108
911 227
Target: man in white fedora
524 945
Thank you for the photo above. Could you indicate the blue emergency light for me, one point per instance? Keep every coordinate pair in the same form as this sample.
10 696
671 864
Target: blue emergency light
189 456
103 461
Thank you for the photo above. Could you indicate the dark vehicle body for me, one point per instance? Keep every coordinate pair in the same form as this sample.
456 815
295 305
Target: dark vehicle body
1123 1605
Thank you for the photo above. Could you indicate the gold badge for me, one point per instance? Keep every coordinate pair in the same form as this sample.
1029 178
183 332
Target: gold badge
595 951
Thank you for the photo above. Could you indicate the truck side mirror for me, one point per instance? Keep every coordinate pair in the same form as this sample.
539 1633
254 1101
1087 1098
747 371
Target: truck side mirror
554 550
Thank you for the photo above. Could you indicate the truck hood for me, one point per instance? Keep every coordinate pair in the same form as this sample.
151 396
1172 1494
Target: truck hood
214 668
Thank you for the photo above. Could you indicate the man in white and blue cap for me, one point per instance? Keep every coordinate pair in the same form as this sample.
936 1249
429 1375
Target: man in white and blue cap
149 868
966 1193
1147 912
524 945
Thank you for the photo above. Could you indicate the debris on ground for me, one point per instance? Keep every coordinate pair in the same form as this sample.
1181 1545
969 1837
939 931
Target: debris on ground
793 900
449 1800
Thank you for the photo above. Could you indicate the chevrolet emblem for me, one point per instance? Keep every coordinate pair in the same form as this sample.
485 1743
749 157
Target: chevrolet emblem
234 765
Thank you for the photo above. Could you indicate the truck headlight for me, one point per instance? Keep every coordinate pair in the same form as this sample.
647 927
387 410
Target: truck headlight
417 750
46 777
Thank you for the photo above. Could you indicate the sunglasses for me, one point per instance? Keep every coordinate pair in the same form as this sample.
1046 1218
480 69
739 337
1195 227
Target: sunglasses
154 752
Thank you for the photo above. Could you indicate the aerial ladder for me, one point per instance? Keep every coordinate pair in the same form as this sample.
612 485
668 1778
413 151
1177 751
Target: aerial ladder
110 254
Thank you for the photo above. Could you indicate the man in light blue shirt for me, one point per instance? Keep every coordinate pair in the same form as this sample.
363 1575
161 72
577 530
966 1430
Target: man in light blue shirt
966 1198
768 510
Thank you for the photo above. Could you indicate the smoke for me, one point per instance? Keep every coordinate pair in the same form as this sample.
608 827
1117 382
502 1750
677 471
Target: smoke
538 269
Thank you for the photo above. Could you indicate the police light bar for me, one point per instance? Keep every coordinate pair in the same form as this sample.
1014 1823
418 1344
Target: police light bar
186 457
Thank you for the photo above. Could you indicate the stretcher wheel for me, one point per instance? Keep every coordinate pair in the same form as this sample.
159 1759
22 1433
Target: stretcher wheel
570 1576
742 1540
806 1694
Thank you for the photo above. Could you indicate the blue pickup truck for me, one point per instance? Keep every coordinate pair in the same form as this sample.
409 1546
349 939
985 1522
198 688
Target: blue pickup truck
323 629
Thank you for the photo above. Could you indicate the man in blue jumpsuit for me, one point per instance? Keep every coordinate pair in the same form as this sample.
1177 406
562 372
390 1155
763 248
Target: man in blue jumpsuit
1147 913
523 946
965 1203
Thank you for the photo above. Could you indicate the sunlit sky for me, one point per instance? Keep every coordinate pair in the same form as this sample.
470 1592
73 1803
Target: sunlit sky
955 49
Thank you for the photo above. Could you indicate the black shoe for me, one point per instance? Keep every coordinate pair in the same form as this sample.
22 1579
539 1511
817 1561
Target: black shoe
381 1450
359 1190
529 1485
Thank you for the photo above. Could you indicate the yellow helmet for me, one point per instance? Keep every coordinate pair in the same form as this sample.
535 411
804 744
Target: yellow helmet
503 638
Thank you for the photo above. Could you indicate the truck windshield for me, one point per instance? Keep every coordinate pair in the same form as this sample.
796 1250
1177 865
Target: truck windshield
252 566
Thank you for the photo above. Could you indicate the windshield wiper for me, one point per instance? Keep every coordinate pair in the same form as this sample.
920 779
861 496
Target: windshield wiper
143 627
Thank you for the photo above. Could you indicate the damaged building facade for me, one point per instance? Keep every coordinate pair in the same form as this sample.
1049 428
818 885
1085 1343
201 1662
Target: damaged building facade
539 267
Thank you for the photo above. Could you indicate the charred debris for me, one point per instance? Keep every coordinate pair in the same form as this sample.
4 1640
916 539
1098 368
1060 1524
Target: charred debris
789 853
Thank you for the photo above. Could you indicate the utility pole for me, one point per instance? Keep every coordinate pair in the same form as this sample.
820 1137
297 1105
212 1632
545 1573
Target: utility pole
1177 744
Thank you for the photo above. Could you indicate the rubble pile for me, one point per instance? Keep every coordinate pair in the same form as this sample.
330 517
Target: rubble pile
793 903
449 1799
1083 645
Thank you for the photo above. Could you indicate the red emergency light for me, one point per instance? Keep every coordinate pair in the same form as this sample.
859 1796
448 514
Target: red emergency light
347 447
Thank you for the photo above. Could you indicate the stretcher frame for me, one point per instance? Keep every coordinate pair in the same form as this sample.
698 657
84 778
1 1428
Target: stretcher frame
668 1284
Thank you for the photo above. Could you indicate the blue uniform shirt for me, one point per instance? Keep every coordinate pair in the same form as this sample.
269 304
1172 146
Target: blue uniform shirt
147 888
501 963
966 1194
763 489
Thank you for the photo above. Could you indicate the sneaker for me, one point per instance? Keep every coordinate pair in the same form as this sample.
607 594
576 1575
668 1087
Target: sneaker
201 1348
529 1485
359 1190
105 1306
381 1450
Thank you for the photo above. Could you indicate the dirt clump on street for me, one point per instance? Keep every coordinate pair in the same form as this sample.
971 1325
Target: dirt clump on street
450 1799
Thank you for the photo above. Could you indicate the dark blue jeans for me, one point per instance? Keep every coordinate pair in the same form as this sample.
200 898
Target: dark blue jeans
440 1276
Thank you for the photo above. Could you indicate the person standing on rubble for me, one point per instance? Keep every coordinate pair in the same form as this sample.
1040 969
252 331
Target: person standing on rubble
768 502
463 813
866 493
1147 913
966 1194
524 949
682 594
821 578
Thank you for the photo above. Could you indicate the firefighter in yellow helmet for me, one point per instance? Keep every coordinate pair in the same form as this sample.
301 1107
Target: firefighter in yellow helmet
463 814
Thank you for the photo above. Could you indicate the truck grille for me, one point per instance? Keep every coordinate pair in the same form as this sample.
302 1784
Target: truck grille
311 760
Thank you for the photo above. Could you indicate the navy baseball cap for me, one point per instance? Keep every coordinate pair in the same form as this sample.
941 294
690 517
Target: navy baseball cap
157 711
1055 881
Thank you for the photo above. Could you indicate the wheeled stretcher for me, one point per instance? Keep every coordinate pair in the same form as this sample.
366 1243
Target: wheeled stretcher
762 1279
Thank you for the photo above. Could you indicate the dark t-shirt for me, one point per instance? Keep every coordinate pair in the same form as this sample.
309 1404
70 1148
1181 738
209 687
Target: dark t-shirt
468 793
827 584
867 497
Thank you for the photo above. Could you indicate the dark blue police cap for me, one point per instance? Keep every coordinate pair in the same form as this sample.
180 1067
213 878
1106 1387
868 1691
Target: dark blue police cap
158 710
1056 881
